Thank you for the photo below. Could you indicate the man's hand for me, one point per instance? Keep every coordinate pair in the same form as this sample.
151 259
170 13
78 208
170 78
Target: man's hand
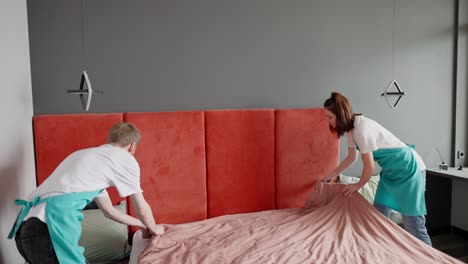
351 188
145 234
159 229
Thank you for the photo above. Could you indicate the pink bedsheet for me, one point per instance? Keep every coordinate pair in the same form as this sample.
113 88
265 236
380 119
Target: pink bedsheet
335 229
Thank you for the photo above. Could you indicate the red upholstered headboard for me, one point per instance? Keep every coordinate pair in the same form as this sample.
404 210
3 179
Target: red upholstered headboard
240 154
57 136
306 151
201 164
172 159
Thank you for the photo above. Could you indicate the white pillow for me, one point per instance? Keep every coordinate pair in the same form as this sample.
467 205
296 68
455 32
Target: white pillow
368 191
138 245
104 240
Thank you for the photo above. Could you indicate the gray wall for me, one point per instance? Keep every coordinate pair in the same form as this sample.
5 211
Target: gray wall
461 95
17 173
459 194
459 204
207 54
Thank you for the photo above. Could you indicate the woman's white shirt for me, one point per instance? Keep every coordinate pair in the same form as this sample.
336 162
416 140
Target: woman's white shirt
368 136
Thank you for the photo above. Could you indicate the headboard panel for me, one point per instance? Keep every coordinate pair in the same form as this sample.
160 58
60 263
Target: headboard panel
306 151
57 136
240 161
171 155
203 164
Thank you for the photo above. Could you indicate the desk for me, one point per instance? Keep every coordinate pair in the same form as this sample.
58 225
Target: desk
451 173
446 195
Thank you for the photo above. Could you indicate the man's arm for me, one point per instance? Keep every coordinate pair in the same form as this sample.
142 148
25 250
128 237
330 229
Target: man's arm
145 214
111 212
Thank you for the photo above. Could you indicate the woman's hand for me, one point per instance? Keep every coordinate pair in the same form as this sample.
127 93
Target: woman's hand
351 188
329 179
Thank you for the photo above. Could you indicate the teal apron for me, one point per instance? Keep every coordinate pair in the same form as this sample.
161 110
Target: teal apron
63 216
401 186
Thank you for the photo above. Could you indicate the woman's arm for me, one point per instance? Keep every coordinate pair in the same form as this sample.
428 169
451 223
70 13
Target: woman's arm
368 168
346 163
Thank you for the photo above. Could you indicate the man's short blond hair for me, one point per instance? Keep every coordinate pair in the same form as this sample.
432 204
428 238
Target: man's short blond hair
123 134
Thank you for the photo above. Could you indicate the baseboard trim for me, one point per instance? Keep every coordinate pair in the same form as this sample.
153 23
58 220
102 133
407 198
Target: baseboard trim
438 231
460 232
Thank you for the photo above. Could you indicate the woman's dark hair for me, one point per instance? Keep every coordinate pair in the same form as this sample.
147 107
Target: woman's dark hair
339 105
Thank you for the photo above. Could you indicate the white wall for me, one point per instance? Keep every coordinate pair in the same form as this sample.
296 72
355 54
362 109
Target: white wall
17 172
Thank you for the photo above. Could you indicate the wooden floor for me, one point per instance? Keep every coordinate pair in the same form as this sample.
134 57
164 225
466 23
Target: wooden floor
453 244
123 261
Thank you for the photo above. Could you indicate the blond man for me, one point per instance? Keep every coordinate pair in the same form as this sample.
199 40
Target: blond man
48 227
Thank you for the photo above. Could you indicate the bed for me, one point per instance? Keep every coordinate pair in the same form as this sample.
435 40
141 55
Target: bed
230 186
333 229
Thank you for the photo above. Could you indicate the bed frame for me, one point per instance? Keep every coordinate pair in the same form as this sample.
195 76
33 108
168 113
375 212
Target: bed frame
202 164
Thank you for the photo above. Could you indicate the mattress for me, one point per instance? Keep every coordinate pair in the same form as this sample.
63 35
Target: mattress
334 229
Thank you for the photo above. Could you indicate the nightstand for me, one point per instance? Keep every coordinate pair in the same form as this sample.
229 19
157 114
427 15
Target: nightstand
446 195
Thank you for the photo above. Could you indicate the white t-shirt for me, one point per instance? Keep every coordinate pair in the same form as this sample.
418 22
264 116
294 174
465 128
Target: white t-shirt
369 135
89 170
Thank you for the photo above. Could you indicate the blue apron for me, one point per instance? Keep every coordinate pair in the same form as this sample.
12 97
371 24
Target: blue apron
401 186
63 216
